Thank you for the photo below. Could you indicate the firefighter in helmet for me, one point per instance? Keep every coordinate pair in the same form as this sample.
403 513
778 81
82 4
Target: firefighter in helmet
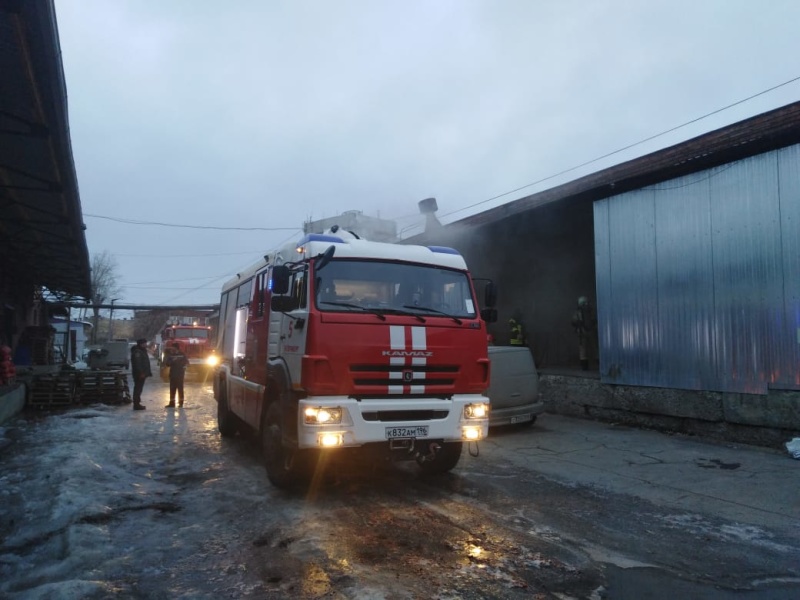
517 333
584 323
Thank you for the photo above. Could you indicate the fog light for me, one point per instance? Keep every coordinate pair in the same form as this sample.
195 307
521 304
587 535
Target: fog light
471 434
330 440
479 410
320 415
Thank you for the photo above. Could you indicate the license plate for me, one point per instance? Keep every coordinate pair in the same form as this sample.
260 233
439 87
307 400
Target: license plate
420 431
521 419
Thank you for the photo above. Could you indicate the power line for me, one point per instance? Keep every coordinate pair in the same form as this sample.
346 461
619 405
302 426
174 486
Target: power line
628 147
538 181
159 224
147 287
199 287
206 278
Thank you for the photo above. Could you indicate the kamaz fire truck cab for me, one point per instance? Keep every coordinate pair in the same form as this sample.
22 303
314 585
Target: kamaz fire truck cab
342 343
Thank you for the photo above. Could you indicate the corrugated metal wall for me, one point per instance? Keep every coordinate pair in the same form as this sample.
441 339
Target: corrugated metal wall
698 279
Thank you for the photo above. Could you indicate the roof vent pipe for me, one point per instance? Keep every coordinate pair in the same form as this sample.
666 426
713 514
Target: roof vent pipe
428 208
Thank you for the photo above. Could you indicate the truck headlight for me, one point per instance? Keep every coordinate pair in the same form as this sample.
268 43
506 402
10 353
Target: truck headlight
330 439
471 433
321 415
479 410
213 360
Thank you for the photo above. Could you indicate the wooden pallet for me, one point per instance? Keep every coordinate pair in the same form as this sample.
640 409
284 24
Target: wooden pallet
52 390
107 387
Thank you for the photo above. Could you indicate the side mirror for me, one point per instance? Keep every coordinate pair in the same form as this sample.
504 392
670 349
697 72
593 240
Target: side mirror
282 303
489 315
490 296
281 275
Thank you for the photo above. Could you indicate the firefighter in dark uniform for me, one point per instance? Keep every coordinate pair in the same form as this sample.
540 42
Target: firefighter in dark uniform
140 370
584 323
517 332
177 363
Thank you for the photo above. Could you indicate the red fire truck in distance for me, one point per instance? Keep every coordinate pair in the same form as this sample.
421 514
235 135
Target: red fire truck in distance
341 345
194 342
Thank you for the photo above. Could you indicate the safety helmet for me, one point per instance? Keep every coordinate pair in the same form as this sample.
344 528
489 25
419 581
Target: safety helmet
583 301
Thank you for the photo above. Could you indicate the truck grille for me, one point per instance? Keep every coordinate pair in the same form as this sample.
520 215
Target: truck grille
194 350
380 378
393 416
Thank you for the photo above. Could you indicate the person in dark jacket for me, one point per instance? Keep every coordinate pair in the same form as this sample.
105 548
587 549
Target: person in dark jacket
177 363
140 370
584 323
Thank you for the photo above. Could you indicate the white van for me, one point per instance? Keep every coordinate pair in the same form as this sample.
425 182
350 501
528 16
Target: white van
513 386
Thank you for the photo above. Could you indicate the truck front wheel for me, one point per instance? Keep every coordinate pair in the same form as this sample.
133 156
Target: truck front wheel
286 467
446 459
227 422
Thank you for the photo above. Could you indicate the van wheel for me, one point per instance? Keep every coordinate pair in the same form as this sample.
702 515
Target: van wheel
227 422
286 467
446 459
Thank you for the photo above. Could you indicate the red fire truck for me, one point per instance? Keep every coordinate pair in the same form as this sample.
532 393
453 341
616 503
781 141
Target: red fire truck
194 342
339 343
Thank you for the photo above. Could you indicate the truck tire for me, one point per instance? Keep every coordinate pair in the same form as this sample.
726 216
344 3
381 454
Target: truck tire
446 459
286 468
227 422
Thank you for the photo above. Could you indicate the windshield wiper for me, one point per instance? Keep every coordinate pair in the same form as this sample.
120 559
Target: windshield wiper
433 310
358 306
377 311
397 311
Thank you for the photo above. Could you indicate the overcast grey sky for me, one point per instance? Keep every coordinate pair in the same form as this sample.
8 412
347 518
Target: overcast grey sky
253 113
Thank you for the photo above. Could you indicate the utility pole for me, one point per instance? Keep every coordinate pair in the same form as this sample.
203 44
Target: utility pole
111 320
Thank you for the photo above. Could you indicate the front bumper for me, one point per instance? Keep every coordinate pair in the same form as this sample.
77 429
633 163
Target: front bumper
367 421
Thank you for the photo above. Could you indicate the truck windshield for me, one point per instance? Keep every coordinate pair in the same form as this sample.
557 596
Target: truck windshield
357 285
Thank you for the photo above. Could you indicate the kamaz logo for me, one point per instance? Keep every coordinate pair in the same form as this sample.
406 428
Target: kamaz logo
403 353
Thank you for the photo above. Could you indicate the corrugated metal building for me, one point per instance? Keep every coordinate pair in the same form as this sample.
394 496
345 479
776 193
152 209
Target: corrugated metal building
698 278
690 254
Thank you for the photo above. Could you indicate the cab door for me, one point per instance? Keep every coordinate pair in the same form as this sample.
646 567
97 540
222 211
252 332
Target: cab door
257 327
256 346
288 331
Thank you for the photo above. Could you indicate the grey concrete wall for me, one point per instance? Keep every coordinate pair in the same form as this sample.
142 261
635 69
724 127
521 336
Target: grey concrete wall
769 420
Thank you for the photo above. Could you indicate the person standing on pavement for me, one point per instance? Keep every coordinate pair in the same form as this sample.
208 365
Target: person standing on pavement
177 363
585 325
517 337
140 370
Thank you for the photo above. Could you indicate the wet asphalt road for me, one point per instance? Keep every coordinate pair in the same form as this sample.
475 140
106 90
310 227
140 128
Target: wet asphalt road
563 509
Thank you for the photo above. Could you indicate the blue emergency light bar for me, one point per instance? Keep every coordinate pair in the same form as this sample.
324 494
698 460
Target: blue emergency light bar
319 237
444 250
